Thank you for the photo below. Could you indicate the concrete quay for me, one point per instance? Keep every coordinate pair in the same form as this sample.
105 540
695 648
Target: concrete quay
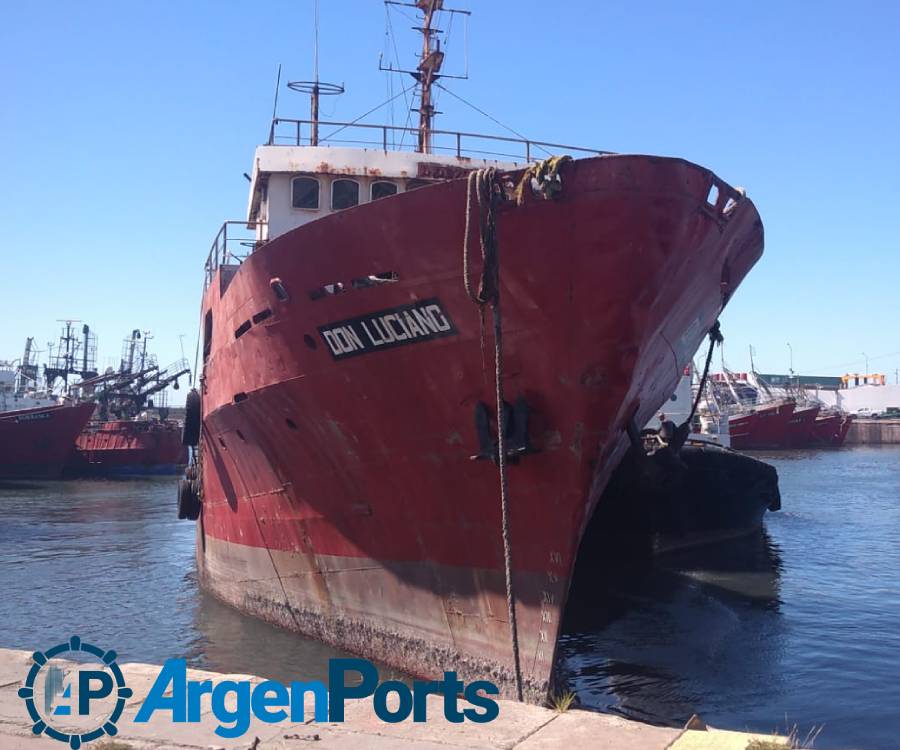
874 432
518 726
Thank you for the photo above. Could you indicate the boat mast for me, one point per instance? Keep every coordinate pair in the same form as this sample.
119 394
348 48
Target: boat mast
428 70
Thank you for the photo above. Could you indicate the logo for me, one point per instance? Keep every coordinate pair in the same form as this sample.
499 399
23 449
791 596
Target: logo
75 693
235 703
77 698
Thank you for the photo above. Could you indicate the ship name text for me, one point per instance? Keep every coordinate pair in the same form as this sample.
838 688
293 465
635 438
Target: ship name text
397 326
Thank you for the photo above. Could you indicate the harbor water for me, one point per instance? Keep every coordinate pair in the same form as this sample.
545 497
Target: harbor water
798 626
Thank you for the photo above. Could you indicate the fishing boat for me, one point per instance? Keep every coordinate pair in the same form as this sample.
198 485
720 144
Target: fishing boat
672 492
831 428
761 427
801 426
37 443
38 427
420 371
129 447
132 434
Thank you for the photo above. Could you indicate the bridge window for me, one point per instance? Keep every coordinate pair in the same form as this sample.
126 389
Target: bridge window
344 194
383 189
305 192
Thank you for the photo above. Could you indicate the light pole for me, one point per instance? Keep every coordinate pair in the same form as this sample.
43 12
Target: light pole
867 362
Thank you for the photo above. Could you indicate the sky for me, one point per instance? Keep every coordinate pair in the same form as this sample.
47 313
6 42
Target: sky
125 128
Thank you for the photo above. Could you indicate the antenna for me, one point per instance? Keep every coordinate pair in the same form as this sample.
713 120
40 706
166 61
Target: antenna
277 86
315 88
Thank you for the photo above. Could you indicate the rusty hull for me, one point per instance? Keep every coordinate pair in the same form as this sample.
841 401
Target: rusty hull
340 499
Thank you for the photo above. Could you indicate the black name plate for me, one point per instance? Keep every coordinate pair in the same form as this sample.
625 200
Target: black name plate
385 329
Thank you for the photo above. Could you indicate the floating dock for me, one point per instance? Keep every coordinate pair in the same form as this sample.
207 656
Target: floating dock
518 727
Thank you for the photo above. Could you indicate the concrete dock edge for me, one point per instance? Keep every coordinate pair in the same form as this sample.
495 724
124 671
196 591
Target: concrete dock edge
518 727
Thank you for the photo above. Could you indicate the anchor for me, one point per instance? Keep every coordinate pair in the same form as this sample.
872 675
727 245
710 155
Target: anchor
514 423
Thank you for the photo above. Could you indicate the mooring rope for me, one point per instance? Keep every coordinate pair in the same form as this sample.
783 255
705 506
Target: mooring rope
482 182
715 337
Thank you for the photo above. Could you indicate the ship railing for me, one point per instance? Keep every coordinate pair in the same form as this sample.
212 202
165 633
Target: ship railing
234 241
290 132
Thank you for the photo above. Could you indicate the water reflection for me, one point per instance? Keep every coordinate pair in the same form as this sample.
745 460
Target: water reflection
660 643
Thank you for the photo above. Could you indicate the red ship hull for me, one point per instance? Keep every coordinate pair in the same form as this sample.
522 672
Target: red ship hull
37 443
764 428
339 498
801 426
121 448
831 430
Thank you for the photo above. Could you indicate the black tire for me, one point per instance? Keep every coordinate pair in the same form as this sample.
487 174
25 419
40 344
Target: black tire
188 501
190 433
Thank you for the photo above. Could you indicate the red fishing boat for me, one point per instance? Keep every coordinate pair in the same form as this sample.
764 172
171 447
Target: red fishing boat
130 447
801 426
831 429
355 354
38 420
38 442
128 439
761 427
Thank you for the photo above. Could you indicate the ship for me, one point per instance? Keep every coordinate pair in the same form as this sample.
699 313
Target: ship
831 428
129 447
37 443
675 490
801 426
761 427
38 427
132 434
420 371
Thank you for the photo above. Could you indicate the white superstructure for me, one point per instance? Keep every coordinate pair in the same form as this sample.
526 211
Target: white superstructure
16 395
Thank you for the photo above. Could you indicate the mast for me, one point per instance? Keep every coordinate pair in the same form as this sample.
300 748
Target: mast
66 360
428 70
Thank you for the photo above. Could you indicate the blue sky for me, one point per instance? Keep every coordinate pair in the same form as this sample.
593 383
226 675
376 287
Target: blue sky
125 128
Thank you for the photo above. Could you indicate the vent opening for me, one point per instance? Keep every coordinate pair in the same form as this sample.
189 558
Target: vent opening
242 329
375 279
